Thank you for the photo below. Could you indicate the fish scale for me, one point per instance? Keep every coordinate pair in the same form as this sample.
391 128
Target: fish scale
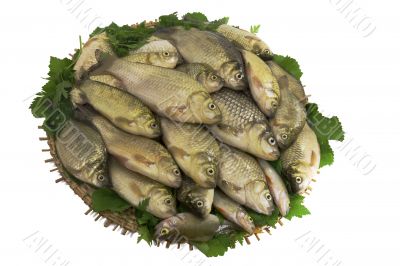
237 108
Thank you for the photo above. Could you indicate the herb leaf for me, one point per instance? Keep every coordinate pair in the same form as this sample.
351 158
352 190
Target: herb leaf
146 222
220 243
289 64
105 199
325 129
297 208
255 28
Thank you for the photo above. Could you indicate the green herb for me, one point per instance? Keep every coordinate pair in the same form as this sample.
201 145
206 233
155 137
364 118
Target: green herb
146 222
125 38
190 20
53 103
289 64
261 220
220 243
105 199
326 129
297 208
255 28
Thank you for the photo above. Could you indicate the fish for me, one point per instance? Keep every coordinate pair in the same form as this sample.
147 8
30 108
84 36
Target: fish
124 110
295 86
137 153
167 92
156 46
263 85
245 40
232 211
88 58
300 162
135 188
194 149
185 227
204 74
212 49
277 187
82 152
243 125
162 59
242 179
198 199
289 118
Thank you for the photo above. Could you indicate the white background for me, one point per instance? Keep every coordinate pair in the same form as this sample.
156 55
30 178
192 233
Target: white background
355 216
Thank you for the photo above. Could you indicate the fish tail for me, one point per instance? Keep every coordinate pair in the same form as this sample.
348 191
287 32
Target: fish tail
105 62
85 113
283 82
165 33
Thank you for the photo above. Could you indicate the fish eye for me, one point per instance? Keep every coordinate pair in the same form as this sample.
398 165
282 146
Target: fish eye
212 106
284 136
164 231
274 104
249 218
213 77
165 53
153 125
199 204
239 76
168 201
177 172
101 178
267 52
210 171
271 141
299 180
268 196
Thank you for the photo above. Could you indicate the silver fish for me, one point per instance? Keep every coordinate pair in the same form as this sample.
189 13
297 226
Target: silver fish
295 86
168 92
198 199
233 211
83 154
204 74
245 40
300 162
137 153
289 118
212 49
243 125
263 86
185 227
135 188
194 149
277 187
242 179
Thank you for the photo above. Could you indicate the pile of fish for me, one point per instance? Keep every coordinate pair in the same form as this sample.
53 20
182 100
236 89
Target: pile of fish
191 118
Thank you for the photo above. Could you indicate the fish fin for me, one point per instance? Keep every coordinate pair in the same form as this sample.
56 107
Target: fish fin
178 152
78 97
105 62
231 185
143 160
283 82
251 38
314 160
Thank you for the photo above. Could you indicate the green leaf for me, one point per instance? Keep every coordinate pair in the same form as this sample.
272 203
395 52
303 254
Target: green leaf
289 64
105 199
325 129
297 208
277 165
195 17
261 220
220 243
255 28
146 222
